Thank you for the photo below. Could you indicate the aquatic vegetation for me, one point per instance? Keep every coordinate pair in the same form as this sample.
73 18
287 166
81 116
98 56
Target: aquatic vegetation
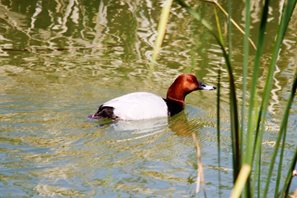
247 130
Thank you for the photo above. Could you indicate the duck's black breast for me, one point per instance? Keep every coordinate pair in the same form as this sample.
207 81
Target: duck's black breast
174 106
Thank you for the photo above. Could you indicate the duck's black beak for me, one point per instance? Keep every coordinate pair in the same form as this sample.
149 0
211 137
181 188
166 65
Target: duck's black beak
203 86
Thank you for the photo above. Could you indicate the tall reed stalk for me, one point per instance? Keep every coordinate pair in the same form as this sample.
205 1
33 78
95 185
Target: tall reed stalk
247 134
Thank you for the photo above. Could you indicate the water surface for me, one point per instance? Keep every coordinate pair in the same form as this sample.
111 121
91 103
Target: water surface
61 60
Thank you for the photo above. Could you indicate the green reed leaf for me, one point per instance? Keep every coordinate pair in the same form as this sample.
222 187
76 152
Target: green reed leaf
251 121
286 15
162 28
281 133
289 176
236 157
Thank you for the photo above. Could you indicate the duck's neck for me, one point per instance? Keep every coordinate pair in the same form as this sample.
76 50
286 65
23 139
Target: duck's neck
175 100
174 106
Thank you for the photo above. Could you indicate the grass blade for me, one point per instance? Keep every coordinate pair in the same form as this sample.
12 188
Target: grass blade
233 99
245 63
281 133
219 126
289 176
280 163
200 175
251 122
244 81
162 28
287 12
241 180
229 29
233 22
254 124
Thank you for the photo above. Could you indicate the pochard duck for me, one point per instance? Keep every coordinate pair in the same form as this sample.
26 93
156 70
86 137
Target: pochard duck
145 105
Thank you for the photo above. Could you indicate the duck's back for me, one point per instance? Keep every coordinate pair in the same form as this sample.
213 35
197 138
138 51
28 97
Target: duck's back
137 106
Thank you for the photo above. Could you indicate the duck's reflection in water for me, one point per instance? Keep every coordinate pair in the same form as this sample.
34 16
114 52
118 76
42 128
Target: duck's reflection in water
179 124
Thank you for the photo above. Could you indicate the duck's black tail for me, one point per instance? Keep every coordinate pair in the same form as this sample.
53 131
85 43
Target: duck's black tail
104 112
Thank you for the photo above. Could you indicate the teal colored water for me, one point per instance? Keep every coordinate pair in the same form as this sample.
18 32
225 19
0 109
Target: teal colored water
60 60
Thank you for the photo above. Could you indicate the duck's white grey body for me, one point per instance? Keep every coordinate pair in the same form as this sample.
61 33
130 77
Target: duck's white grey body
136 106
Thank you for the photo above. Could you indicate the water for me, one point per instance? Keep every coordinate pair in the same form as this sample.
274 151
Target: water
61 60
